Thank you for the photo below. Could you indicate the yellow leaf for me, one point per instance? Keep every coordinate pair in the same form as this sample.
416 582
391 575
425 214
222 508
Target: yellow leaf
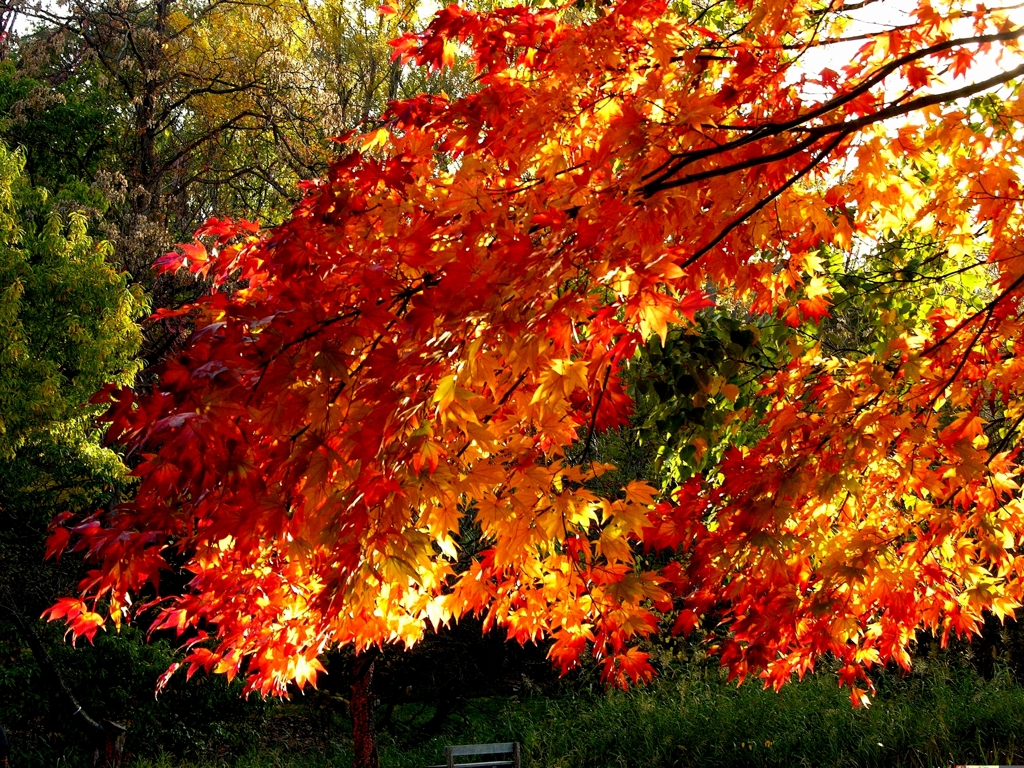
609 109
396 568
445 393
374 140
640 493
451 47
614 547
437 612
654 318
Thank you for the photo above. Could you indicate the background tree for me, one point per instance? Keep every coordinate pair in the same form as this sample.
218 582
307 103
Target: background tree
227 105
68 323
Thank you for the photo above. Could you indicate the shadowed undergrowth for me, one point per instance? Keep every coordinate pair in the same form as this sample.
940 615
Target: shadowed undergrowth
692 716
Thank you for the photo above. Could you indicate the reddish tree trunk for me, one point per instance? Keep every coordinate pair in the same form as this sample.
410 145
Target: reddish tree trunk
364 740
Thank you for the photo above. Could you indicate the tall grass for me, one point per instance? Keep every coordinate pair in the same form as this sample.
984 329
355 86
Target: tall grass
695 718
691 716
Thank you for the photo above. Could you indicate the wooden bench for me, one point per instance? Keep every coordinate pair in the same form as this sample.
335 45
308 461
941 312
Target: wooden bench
502 755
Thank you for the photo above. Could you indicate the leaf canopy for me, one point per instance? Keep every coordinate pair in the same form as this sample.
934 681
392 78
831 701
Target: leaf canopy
426 344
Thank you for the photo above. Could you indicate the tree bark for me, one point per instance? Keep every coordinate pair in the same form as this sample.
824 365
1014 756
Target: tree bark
364 739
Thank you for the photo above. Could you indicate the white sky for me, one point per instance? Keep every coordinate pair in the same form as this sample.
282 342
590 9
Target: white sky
881 16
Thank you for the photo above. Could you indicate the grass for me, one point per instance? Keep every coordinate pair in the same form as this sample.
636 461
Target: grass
691 716
697 719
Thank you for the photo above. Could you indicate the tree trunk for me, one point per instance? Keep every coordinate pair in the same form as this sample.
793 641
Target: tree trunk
364 740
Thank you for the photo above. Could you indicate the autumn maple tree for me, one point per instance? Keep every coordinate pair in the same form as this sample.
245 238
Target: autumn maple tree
432 341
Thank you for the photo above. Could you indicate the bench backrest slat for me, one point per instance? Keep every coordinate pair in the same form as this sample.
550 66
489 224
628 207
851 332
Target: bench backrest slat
507 750
482 749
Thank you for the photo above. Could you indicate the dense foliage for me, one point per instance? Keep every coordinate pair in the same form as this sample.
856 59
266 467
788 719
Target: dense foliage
592 325
417 351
